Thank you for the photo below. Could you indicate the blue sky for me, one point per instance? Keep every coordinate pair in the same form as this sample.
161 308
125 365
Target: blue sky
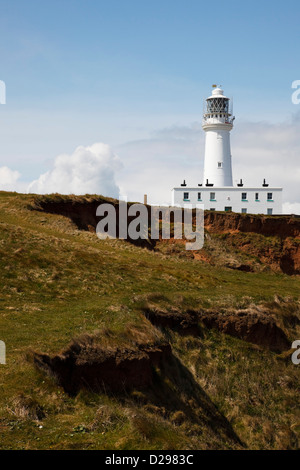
138 56
84 71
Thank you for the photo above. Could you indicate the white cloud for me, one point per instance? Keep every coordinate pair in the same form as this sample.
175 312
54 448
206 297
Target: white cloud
9 179
88 170
154 166
291 208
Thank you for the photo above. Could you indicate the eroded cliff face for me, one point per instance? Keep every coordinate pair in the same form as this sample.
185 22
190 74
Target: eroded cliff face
280 226
290 260
252 251
232 240
81 210
87 365
252 242
254 325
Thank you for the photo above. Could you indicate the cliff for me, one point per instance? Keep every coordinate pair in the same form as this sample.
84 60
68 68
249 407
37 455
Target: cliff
237 241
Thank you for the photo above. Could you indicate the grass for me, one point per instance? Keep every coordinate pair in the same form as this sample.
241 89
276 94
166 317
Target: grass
58 282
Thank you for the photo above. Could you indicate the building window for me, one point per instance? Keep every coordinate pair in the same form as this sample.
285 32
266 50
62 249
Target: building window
185 196
244 211
212 196
199 196
270 197
257 196
244 196
269 211
228 208
220 164
212 209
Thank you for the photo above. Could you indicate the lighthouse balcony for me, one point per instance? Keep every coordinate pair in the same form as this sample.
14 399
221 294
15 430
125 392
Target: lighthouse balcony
217 119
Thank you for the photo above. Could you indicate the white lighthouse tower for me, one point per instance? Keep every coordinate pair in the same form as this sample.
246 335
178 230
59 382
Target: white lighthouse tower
217 124
217 191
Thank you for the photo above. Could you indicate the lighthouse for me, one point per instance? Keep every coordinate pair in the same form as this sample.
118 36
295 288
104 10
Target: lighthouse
217 124
218 191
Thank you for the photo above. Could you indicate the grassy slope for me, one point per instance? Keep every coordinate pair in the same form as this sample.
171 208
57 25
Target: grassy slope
57 282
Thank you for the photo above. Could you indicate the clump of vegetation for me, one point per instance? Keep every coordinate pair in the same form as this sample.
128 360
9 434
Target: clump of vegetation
26 408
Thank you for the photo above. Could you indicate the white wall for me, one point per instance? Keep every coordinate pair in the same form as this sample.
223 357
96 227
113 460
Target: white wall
217 151
231 197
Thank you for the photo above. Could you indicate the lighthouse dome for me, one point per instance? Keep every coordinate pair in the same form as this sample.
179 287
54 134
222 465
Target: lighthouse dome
217 91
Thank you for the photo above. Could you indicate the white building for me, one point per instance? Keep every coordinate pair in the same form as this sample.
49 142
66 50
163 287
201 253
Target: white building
217 191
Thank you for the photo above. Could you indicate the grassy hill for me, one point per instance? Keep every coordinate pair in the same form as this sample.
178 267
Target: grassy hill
65 293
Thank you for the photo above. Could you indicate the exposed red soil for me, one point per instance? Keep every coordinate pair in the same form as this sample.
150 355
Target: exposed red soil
111 370
280 226
83 214
290 260
286 229
254 327
82 211
282 256
202 255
